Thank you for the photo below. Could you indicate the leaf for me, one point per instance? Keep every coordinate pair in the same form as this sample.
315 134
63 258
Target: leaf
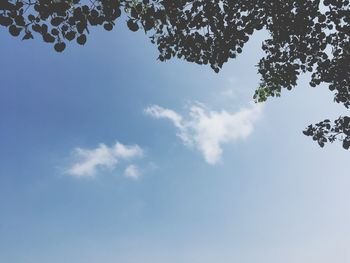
108 26
132 25
60 46
27 36
346 144
56 21
70 35
81 40
15 31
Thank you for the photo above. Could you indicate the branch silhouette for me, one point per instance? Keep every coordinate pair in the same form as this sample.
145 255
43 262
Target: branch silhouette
305 36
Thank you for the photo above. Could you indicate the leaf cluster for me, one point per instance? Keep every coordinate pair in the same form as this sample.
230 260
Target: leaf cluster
303 37
324 132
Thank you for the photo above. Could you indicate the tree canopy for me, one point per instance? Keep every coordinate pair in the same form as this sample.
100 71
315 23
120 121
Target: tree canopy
304 36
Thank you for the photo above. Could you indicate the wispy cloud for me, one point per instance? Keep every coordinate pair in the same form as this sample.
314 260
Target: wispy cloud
208 130
132 171
90 161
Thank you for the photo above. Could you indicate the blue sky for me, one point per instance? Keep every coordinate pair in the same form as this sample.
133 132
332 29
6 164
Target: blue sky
272 195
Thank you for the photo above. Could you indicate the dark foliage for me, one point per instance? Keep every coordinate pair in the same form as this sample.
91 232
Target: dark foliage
305 36
323 132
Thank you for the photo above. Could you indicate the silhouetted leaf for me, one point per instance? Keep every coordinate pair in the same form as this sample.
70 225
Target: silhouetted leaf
132 25
56 21
5 21
14 30
346 144
59 47
108 26
81 40
70 35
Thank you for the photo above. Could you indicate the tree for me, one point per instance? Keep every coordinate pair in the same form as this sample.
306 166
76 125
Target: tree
305 36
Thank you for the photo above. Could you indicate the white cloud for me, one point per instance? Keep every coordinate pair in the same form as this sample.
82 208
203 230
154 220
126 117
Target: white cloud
89 161
207 130
162 113
127 152
132 171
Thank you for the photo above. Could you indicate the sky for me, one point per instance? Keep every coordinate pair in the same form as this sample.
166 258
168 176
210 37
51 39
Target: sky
109 155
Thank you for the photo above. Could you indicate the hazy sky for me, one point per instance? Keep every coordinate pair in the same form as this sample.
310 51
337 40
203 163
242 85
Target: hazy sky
108 155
